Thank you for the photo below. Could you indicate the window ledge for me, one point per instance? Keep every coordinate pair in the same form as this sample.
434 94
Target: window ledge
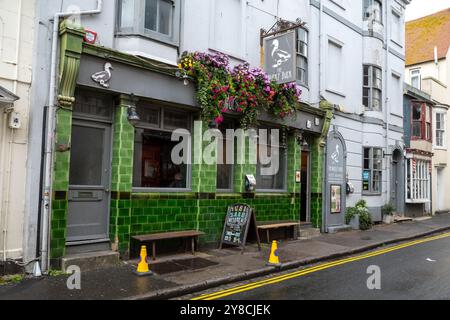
336 92
371 194
440 148
160 39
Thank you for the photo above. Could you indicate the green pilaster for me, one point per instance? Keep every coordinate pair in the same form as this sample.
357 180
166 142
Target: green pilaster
318 169
294 164
204 176
122 177
71 42
245 163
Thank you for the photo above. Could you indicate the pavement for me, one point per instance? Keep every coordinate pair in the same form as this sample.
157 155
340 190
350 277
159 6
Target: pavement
182 274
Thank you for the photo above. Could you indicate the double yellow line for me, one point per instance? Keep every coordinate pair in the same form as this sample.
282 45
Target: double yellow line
303 272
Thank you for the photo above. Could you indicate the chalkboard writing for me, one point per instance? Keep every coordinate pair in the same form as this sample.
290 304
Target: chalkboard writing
237 224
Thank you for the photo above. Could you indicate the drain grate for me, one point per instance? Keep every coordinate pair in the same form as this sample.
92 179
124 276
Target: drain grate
181 265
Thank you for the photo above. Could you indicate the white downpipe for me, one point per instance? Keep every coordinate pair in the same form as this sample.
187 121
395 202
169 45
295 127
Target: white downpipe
7 174
387 105
320 52
50 133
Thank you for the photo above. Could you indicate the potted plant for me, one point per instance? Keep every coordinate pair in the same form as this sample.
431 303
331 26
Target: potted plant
388 213
358 217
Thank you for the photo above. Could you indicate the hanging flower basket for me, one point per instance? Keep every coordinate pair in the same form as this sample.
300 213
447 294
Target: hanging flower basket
243 90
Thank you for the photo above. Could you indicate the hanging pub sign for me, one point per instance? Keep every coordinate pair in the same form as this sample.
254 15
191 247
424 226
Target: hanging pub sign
280 57
239 220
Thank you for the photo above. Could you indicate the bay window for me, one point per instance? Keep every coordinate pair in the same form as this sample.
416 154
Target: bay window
421 115
373 10
153 164
418 180
372 88
302 56
372 170
157 19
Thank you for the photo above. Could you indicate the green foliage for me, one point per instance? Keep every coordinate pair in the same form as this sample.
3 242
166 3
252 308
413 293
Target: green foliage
388 209
56 273
242 89
361 210
11 279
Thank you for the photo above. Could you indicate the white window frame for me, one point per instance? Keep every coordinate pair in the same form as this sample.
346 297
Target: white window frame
369 11
443 130
372 88
139 29
419 181
419 75
302 55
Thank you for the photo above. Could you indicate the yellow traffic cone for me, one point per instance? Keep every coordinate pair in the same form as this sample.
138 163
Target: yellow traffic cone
274 260
142 268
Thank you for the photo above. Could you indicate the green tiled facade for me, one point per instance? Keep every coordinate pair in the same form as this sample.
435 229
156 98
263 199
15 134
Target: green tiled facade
202 208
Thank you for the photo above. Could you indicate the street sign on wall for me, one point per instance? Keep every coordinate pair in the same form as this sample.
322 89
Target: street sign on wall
280 57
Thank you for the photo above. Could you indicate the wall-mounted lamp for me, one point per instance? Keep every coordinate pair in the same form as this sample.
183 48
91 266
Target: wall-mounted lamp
184 77
133 116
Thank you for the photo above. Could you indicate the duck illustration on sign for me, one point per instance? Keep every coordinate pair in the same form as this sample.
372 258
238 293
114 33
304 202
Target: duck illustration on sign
279 56
104 76
279 60
335 155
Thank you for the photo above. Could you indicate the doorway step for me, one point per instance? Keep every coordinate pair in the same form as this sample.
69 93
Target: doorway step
90 261
307 231
339 228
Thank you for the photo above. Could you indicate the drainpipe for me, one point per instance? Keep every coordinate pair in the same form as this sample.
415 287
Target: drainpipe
320 51
7 187
50 132
387 103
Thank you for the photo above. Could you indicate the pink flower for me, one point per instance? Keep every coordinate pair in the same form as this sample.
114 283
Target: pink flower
219 120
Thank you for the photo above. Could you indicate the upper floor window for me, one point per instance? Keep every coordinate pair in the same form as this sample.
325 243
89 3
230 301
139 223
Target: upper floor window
373 10
440 129
157 19
372 88
302 56
421 121
396 28
416 79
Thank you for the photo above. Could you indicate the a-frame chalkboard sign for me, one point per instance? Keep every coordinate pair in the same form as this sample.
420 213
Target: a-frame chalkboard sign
239 220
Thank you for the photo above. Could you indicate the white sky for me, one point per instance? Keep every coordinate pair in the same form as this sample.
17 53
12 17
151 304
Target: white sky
421 8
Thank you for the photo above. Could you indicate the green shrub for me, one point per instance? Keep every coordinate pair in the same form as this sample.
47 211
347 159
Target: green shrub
360 209
388 209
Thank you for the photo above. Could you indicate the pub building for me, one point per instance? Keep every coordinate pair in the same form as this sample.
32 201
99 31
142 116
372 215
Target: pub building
113 176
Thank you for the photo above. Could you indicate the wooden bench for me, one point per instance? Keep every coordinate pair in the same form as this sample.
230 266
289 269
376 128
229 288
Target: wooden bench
271 226
153 238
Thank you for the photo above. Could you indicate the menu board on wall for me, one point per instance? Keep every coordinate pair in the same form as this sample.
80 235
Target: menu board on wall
240 218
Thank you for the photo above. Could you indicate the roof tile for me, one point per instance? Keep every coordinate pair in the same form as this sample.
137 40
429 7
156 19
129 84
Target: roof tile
423 34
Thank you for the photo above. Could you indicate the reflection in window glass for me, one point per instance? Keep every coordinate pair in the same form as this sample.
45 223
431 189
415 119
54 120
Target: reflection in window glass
153 166
127 14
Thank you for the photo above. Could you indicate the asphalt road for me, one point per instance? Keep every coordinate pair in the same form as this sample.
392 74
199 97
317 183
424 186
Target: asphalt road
415 270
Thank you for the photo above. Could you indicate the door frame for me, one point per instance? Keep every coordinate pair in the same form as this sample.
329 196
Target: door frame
93 122
398 164
308 186
327 183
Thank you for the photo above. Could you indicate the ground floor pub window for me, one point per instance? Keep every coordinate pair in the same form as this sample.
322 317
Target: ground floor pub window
275 150
372 170
418 178
154 167
224 165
